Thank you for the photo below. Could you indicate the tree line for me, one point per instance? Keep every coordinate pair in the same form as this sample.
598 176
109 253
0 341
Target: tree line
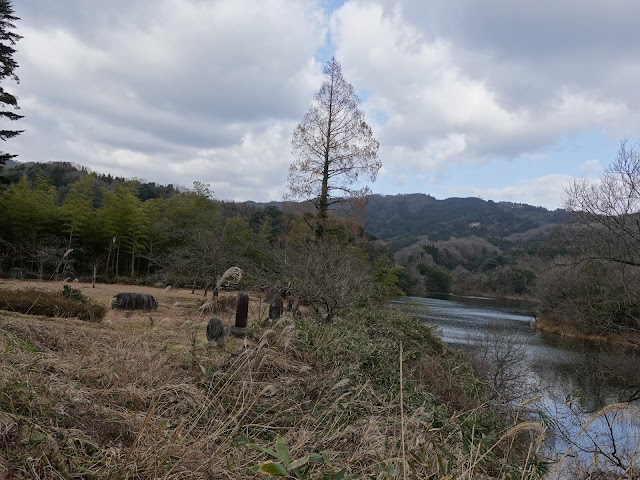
593 284
186 239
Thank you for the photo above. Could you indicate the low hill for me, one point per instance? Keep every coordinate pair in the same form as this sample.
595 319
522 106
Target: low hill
464 245
392 216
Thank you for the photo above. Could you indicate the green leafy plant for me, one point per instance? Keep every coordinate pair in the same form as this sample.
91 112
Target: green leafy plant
74 294
301 468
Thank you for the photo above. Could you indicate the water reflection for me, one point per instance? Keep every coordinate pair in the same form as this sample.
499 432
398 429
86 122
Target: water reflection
558 362
576 378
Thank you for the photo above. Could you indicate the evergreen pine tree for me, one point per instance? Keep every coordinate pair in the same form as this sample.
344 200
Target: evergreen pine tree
7 66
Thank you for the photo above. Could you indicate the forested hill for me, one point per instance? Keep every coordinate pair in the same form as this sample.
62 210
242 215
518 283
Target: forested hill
410 215
388 216
63 174
465 245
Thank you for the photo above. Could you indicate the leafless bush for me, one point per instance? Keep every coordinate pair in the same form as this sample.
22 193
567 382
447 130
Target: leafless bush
594 297
329 277
604 235
499 359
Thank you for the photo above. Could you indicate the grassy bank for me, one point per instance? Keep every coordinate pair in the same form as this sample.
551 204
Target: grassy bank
558 326
143 396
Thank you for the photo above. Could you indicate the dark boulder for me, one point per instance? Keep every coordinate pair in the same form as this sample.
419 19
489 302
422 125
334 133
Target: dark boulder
17 273
66 276
134 301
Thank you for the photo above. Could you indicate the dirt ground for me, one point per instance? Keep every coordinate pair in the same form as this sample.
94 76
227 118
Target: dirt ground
175 305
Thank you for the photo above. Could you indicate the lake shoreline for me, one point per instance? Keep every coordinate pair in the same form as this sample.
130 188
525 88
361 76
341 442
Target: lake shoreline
545 325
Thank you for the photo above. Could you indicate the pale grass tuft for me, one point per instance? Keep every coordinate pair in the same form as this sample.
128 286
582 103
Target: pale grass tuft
269 391
233 273
341 384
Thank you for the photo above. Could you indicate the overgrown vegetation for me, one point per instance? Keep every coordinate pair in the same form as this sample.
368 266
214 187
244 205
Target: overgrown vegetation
188 238
593 284
126 402
69 303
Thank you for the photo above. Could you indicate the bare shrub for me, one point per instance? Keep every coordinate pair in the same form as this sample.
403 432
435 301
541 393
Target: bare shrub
603 236
592 297
329 277
499 360
220 304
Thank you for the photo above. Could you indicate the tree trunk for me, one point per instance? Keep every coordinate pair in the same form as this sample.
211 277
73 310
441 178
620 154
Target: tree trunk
108 261
117 258
323 201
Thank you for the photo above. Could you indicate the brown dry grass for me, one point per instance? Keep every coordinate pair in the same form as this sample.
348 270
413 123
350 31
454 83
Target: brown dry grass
559 326
141 396
175 306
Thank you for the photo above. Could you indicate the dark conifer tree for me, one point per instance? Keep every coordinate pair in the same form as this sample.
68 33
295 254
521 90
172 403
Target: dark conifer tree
8 39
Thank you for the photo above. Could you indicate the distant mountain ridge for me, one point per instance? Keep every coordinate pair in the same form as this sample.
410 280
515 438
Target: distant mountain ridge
389 217
417 214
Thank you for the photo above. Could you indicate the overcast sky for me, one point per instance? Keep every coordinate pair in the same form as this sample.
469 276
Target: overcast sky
498 99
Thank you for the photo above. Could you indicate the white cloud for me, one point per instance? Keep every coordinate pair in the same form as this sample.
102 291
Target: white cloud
591 168
440 114
183 90
545 191
153 88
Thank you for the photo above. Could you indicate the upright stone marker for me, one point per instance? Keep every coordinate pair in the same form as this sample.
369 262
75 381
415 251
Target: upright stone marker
240 329
242 310
276 306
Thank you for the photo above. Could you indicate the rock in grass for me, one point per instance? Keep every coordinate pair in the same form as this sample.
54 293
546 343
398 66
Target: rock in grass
17 273
134 301
215 331
66 276
276 306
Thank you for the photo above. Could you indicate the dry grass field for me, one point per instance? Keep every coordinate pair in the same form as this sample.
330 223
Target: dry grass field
175 306
141 395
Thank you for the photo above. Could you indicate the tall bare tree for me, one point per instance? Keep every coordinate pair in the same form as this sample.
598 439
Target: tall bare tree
607 213
334 148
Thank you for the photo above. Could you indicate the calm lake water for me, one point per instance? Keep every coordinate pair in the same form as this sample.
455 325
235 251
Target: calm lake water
559 368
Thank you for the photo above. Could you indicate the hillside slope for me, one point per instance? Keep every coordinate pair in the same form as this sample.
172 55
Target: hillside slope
391 216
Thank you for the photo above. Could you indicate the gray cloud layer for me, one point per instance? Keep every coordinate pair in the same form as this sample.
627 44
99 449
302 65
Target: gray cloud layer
183 90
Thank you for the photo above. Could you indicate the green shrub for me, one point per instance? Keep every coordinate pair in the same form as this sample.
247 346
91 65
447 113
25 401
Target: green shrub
74 294
70 303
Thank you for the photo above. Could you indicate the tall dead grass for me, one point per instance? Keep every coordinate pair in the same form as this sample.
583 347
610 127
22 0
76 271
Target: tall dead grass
142 400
